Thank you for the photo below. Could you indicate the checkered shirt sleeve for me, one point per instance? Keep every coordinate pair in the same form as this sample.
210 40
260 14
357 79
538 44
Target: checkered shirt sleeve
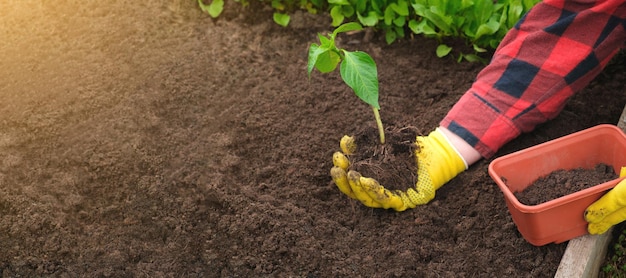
555 50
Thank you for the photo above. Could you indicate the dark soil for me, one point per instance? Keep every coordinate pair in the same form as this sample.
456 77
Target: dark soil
393 163
145 139
564 182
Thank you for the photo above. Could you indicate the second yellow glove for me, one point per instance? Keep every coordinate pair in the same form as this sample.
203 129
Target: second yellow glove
607 211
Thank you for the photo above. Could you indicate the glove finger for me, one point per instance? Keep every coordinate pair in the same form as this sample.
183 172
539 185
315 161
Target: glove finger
341 161
382 195
607 204
607 222
347 145
354 179
340 178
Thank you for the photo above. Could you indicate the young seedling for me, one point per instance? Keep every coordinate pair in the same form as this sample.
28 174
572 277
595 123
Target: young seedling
357 68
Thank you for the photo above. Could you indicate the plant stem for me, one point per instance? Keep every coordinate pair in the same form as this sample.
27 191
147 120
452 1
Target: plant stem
379 123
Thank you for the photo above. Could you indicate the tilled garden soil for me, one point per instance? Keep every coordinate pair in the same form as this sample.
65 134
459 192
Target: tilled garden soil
145 139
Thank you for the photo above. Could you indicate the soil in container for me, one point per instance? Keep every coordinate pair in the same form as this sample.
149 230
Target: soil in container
564 182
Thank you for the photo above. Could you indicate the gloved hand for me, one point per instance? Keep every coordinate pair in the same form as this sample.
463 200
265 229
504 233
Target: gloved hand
609 210
437 163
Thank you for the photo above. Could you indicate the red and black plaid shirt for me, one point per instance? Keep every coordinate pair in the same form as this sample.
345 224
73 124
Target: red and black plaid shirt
555 50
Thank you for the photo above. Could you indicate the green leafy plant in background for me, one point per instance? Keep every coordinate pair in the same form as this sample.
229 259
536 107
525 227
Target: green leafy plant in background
358 69
281 8
214 9
481 24
391 16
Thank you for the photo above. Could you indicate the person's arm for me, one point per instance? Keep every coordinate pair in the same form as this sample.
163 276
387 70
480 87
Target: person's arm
555 50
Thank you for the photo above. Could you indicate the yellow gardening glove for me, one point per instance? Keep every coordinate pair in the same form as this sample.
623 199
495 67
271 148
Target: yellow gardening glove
609 210
437 163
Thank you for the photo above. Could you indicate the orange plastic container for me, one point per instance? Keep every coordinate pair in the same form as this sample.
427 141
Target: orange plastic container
560 219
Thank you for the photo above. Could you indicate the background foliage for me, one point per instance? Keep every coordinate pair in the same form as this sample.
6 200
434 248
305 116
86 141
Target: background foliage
480 23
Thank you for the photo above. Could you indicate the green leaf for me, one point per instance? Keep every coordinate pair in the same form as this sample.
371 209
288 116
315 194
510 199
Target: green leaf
348 11
389 16
322 58
422 27
358 71
377 6
483 9
443 50
390 36
488 28
370 20
418 8
325 42
413 25
401 8
453 7
399 31
466 4
471 58
361 5
434 16
327 61
314 52
278 5
350 26
514 13
214 9
281 19
339 2
440 19
337 15
479 49
399 21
